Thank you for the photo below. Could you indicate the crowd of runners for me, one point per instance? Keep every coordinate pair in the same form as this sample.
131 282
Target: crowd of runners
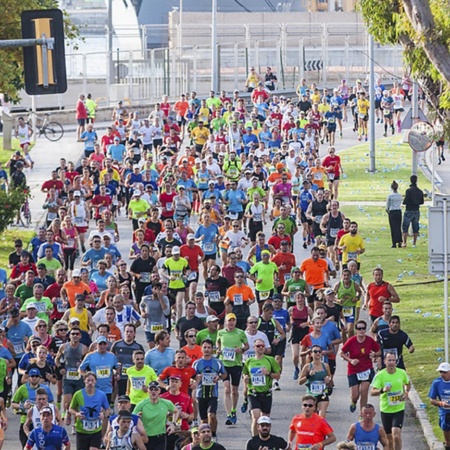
216 196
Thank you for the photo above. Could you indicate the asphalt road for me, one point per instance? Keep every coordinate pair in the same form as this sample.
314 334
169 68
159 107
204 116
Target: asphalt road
287 402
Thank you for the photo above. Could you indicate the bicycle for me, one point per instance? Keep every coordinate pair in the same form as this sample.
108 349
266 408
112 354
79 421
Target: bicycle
53 131
25 211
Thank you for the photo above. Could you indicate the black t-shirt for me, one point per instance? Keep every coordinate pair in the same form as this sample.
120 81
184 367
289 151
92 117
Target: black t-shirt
185 324
47 369
220 285
304 106
156 227
273 443
215 446
163 243
334 311
394 343
140 265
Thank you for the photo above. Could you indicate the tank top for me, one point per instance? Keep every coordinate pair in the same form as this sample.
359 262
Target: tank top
316 384
299 317
375 292
111 229
268 327
36 416
121 443
70 233
258 251
319 209
183 234
200 315
82 317
367 439
346 294
357 278
72 360
22 133
78 213
135 178
333 226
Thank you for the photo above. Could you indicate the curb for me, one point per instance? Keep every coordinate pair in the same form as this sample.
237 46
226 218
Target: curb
422 417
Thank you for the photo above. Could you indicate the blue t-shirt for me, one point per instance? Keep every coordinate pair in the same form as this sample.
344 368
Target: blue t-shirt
117 151
305 198
3 282
53 440
440 389
100 280
102 365
262 107
188 184
35 244
90 141
331 329
94 256
16 335
208 369
336 101
234 197
216 192
208 243
114 251
265 136
5 354
248 140
202 179
159 361
323 342
282 316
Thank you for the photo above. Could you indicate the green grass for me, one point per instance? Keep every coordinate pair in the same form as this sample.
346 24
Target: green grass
393 161
407 270
5 155
7 243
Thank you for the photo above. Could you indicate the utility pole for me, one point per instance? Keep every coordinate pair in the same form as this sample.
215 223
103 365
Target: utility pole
214 58
372 105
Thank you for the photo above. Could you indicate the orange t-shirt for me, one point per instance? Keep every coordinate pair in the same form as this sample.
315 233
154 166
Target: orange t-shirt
314 272
245 291
114 333
193 353
181 107
276 176
72 290
318 176
310 431
186 375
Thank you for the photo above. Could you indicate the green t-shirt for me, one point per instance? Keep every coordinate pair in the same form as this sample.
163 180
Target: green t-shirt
154 416
206 334
24 292
51 266
289 224
213 101
217 123
251 191
138 208
258 381
138 379
176 269
21 395
229 340
392 401
44 305
293 287
265 272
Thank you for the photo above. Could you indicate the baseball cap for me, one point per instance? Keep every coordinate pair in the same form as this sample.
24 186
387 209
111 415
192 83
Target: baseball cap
24 253
322 247
124 414
101 339
175 376
279 166
77 194
230 316
35 339
175 250
46 409
264 419
74 320
443 367
76 273
31 306
41 266
203 426
123 398
212 318
34 372
136 193
284 241
153 384
142 220
329 291
190 236
211 182
14 312
277 297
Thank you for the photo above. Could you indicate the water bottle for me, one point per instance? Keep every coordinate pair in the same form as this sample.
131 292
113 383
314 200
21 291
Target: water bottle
418 311
439 349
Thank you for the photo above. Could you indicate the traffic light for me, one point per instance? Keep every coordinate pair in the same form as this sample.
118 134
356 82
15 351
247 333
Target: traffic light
45 71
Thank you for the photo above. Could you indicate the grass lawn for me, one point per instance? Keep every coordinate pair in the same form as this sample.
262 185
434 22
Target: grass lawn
421 294
5 155
7 243
393 161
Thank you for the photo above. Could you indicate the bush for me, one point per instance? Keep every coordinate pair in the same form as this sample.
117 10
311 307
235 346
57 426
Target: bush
11 202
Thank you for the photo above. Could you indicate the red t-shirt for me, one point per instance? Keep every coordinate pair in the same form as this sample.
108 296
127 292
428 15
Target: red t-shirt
54 291
104 201
81 110
106 141
186 374
288 259
375 292
192 255
332 164
167 203
71 175
56 184
183 402
149 236
310 431
360 351
275 240
165 108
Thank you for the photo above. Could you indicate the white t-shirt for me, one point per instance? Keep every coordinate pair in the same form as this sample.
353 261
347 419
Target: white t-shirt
251 343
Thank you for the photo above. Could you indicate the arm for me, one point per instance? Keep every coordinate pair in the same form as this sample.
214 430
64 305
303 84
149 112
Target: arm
394 296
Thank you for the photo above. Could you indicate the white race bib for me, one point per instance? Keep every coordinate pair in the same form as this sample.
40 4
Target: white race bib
90 425
137 383
238 300
103 372
229 354
214 296
208 379
317 387
363 376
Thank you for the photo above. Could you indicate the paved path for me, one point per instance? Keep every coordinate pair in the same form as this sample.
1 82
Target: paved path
286 401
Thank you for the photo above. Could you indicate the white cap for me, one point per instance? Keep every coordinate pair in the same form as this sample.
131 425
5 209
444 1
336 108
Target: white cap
211 182
74 319
264 419
77 194
443 367
76 273
211 318
190 236
175 250
137 192
31 305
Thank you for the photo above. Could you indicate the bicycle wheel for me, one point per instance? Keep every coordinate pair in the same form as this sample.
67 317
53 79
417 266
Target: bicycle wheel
25 215
53 131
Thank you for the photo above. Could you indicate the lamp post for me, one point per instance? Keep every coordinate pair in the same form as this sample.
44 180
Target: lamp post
214 58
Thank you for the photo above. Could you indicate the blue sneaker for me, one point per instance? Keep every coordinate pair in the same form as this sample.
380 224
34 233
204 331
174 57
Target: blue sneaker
229 420
244 407
296 373
352 407
233 417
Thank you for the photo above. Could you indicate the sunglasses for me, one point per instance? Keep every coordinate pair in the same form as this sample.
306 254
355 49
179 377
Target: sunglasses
308 405
252 323
259 346
75 334
102 343
42 326
239 276
317 351
63 329
191 336
153 389
360 328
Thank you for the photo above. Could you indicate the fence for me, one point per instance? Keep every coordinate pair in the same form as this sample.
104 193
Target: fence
143 76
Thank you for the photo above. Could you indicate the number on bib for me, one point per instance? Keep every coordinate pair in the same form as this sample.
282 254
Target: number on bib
363 376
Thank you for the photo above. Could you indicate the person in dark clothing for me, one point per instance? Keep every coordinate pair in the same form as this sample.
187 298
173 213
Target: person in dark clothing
412 201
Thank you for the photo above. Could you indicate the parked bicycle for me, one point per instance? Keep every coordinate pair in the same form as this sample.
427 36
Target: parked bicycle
52 130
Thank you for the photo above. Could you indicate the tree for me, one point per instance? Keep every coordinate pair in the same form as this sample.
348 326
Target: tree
11 61
12 201
422 27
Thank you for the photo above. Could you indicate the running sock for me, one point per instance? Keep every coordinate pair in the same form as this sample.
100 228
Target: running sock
399 122
385 127
233 410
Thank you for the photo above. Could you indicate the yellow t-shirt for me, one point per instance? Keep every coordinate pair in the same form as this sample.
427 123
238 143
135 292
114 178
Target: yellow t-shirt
200 135
138 379
138 208
353 244
363 106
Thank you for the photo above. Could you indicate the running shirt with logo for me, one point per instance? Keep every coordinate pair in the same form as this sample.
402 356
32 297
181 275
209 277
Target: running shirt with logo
258 382
103 366
137 379
91 406
209 234
394 400
229 340
176 269
208 369
265 272
51 440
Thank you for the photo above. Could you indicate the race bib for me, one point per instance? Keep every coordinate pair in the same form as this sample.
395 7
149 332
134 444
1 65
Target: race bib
78 220
363 376
257 217
233 215
250 354
318 219
318 175
229 354
41 307
18 348
208 247
257 377
70 242
156 327
300 446
264 295
59 306
238 300
103 372
214 297
347 311
386 112
137 383
395 398
317 387
208 379
177 274
361 115
331 176
169 206
145 277
287 277
352 255
90 425
365 446
72 374
192 276
334 232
